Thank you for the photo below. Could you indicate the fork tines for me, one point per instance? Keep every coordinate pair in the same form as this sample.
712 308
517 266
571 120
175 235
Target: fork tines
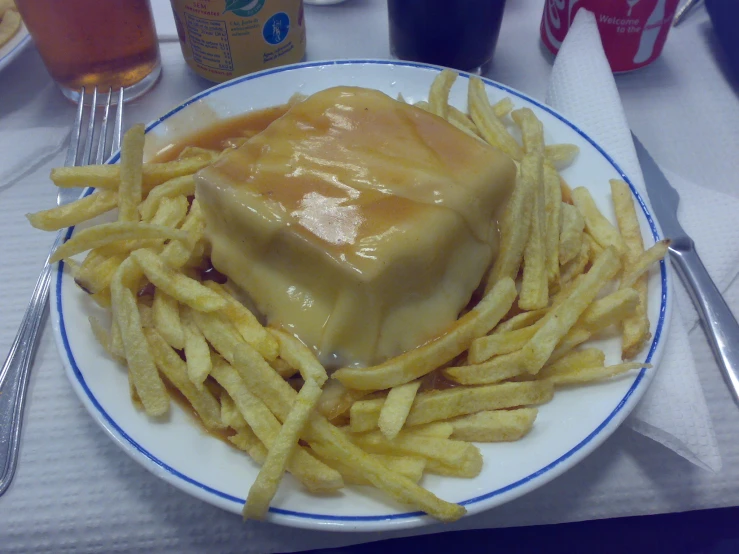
105 143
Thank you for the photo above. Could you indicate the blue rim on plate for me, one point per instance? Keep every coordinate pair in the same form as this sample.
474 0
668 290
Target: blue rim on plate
545 471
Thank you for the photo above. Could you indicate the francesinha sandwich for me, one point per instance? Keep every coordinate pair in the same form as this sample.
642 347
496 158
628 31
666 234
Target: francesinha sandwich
359 223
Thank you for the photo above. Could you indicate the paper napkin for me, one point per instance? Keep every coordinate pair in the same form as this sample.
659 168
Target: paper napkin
673 410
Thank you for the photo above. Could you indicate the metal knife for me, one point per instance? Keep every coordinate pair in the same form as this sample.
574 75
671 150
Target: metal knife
718 322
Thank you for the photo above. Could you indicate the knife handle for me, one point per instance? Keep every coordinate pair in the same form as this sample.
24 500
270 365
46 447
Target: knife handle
718 322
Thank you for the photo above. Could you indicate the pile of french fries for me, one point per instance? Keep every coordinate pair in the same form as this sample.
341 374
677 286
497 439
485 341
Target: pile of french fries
564 274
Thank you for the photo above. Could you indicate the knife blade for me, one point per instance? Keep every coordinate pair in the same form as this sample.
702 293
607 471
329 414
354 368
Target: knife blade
719 324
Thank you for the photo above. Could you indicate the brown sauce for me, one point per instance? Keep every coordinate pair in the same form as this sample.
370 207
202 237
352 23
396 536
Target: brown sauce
218 135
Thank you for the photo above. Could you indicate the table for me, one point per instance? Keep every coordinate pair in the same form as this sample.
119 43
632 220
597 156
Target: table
75 491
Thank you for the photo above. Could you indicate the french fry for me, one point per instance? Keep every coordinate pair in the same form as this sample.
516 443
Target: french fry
592 374
396 407
410 467
519 321
462 121
424 359
246 323
130 190
95 278
502 107
147 318
561 319
337 399
108 177
284 369
179 186
534 293
175 370
101 334
596 223
490 127
298 355
107 233
609 310
166 315
170 212
268 479
559 156
219 332
10 22
532 131
444 451
642 264
573 362
315 475
515 225
575 267
468 467
230 415
571 233
141 365
178 252
439 93
636 327
438 429
494 426
552 208
177 285
116 341
486 347
494 370
446 404
75 212
572 339
197 351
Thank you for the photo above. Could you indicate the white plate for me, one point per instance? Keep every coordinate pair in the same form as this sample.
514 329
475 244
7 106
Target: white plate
567 429
10 50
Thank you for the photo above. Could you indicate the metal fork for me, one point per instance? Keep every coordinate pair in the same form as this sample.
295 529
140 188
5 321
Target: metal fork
17 367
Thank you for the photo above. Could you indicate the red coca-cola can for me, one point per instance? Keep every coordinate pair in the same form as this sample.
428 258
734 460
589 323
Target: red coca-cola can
633 32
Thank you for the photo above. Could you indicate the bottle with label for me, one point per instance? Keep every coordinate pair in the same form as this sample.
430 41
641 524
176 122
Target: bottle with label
223 39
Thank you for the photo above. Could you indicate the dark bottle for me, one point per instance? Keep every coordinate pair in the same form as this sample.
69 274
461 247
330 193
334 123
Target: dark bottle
459 34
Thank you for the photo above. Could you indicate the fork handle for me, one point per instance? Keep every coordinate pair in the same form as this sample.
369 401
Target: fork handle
15 373
718 322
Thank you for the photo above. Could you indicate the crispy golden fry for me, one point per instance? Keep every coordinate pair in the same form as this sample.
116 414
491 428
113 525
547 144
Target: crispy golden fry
609 310
219 332
178 252
534 293
445 451
575 267
107 233
425 106
596 223
496 344
396 407
559 156
177 285
532 131
146 316
424 359
10 22
132 157
573 338
141 365
462 121
166 315
300 356
170 212
337 399
230 415
469 467
197 351
179 186
552 208
502 107
247 324
642 264
116 341
573 362
284 369
594 249
332 444
438 429
108 177
515 224
589 375
520 321
265 486
95 278
446 404
636 327
561 319
439 93
246 440
315 475
75 212
495 370
490 127
410 467
571 233
175 370
494 426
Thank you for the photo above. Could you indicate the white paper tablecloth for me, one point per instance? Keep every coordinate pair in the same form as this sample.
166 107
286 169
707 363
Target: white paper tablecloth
75 491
